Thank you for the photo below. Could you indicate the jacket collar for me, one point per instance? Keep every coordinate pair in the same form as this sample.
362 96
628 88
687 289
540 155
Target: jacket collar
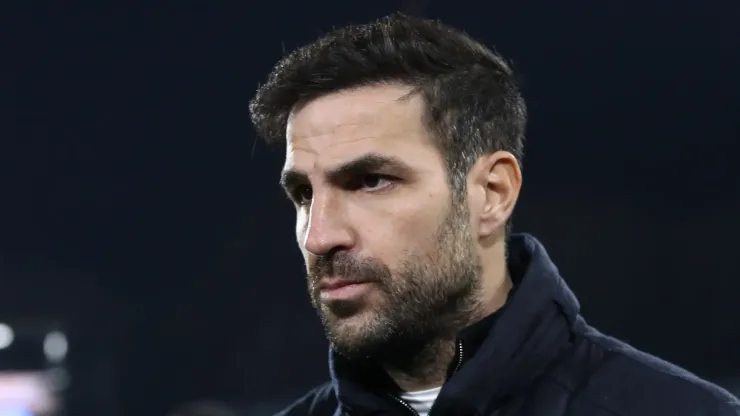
503 352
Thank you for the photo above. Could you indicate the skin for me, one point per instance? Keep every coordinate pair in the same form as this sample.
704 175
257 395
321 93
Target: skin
373 203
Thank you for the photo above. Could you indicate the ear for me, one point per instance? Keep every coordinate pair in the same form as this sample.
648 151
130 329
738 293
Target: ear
494 183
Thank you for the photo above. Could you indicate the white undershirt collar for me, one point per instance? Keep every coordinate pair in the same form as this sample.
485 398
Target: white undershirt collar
421 401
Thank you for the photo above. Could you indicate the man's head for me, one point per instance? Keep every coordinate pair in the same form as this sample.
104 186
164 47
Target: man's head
402 144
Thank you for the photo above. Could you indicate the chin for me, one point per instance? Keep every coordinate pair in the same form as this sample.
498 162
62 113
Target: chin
354 349
346 326
352 336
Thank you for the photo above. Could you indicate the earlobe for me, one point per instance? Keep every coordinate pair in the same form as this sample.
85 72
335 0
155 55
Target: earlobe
502 182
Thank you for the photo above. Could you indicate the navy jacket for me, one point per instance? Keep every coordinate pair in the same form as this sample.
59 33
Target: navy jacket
536 356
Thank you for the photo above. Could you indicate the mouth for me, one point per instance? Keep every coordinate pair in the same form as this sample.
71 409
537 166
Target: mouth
342 289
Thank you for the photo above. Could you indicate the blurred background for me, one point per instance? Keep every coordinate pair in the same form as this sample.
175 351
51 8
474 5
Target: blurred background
147 256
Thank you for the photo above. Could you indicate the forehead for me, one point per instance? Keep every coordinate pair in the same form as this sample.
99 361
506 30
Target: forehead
341 126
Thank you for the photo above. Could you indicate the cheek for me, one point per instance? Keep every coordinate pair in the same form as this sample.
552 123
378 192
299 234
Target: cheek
403 232
422 218
301 222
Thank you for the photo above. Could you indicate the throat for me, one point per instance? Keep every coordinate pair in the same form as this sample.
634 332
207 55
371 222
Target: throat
425 369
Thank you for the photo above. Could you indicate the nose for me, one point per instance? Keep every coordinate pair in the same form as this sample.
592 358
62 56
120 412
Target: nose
328 229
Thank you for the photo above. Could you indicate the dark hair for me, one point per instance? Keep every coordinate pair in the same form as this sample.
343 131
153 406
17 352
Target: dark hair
473 105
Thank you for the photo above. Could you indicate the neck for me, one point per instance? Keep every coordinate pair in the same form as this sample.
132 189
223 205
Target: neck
427 369
496 281
426 366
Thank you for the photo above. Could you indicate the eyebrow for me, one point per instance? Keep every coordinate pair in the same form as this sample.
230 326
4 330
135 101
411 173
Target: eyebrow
367 163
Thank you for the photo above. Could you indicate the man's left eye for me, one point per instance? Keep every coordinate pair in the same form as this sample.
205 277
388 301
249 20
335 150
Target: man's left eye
374 181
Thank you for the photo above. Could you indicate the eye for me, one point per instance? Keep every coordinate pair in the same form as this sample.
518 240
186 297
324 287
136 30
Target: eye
374 181
302 195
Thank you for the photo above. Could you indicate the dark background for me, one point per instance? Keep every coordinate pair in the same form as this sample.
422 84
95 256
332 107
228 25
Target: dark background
139 212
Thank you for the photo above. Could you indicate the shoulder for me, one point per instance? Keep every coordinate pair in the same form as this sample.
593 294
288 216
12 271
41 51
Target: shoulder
319 401
626 381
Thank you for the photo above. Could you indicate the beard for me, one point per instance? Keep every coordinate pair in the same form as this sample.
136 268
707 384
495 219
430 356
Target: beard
433 293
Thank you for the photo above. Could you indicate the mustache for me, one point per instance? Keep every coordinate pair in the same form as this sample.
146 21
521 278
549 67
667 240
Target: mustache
344 265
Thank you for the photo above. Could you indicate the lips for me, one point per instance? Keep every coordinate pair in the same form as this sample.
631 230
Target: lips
332 291
334 284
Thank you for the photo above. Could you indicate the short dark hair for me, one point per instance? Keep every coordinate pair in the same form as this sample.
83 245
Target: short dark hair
473 105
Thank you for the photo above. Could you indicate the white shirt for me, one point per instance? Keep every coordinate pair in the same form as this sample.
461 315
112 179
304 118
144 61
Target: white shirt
421 401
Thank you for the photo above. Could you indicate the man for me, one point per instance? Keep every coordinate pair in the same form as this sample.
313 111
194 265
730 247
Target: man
403 146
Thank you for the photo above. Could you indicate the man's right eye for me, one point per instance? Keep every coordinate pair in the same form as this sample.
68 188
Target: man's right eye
302 195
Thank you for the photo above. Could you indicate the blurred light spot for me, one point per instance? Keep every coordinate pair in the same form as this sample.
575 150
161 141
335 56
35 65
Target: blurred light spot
55 346
6 336
12 410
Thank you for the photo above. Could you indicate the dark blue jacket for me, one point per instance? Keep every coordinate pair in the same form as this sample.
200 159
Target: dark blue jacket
536 356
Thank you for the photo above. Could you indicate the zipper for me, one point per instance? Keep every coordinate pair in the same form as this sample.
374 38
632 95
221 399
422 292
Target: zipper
457 367
404 404
459 357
